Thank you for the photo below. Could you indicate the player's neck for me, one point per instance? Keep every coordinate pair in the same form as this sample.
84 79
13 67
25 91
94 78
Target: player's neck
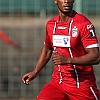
65 17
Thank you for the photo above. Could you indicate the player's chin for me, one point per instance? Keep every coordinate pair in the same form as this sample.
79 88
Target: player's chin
66 11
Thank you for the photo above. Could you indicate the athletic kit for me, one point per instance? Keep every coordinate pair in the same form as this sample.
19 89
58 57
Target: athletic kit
71 82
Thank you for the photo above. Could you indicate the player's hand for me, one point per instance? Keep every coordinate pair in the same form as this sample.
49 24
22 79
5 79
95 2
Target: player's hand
59 59
28 77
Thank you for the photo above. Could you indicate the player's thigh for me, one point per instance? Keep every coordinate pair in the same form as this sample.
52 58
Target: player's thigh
51 92
89 93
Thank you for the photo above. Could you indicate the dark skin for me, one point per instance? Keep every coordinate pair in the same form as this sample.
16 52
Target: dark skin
92 54
91 58
44 57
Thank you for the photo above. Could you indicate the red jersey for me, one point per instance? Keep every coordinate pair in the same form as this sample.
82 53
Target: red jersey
70 39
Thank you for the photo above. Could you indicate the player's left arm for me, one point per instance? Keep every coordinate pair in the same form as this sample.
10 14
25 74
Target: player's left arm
91 58
90 44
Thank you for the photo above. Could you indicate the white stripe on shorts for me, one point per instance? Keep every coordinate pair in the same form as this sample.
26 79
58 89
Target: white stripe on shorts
94 93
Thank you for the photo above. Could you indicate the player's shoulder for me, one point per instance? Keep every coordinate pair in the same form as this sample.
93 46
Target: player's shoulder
81 18
53 20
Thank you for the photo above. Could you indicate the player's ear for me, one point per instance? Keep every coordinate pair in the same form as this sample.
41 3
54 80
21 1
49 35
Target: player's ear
55 1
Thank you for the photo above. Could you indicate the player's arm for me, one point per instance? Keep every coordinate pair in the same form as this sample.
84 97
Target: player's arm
44 57
92 57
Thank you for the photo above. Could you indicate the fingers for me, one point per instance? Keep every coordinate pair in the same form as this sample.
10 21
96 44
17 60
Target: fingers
26 79
59 59
55 52
27 82
56 58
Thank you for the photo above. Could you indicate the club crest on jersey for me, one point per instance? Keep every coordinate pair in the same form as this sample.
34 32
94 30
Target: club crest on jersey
74 31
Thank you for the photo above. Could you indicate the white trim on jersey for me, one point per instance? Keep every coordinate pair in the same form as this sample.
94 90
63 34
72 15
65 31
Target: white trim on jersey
54 32
55 25
93 46
77 78
70 27
93 93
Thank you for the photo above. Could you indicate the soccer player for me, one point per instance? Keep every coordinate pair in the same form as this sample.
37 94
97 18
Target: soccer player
71 41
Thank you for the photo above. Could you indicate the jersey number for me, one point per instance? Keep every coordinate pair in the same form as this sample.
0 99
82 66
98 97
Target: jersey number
92 34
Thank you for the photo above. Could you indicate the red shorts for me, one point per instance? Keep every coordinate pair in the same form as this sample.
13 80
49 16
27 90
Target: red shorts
55 91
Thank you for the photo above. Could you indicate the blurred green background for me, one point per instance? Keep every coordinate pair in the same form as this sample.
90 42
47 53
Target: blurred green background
24 22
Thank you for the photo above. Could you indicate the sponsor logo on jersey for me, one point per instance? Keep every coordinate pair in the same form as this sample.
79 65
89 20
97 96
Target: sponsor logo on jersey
89 26
74 31
65 40
62 27
61 41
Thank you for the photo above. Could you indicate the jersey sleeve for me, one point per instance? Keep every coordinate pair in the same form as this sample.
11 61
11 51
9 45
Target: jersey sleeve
88 35
47 41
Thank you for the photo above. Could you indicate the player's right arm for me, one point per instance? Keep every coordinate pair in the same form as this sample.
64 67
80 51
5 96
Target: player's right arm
44 57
